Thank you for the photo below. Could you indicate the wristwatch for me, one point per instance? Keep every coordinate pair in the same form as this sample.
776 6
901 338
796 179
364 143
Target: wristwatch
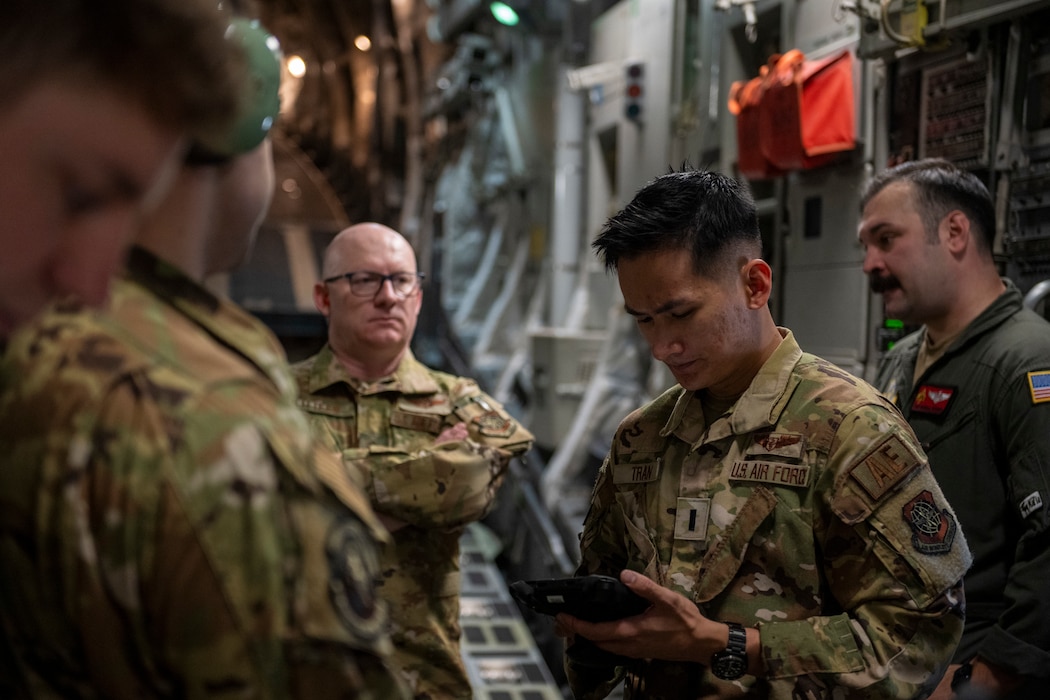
731 663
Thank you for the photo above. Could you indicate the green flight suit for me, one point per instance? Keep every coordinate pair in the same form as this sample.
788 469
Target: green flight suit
385 430
982 412
806 510
169 527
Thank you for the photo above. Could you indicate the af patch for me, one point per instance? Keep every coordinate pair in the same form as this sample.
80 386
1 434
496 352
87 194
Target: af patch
884 466
353 568
933 400
933 528
1039 385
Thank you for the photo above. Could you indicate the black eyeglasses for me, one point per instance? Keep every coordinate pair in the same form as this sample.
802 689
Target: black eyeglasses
368 284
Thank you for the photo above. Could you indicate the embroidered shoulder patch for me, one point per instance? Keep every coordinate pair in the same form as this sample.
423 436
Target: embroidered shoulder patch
494 424
1039 385
933 528
885 465
353 569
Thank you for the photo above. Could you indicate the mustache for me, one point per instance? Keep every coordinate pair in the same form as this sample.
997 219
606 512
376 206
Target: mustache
883 283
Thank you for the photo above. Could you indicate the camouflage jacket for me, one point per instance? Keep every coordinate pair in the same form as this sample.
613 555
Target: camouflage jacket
807 510
385 430
168 526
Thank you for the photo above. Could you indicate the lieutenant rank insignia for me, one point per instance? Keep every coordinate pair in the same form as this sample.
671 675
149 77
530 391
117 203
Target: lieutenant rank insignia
1039 385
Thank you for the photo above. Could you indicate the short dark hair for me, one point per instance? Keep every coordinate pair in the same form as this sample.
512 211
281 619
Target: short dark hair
939 187
168 56
704 212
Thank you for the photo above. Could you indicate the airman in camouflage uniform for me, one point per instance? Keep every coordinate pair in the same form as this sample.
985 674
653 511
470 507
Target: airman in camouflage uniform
811 493
768 489
169 527
430 447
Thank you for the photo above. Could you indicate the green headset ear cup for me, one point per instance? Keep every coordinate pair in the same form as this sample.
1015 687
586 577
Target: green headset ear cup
261 102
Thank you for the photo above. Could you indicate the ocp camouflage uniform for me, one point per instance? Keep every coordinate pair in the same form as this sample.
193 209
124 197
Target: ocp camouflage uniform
386 432
807 510
168 526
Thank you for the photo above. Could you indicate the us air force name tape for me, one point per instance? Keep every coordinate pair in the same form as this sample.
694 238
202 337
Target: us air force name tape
260 103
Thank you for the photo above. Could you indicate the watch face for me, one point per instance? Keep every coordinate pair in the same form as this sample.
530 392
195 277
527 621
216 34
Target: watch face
728 666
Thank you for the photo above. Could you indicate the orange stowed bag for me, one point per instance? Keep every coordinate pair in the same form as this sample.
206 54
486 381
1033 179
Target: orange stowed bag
807 114
800 114
745 102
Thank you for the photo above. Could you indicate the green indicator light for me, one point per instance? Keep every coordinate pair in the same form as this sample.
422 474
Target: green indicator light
504 13
893 323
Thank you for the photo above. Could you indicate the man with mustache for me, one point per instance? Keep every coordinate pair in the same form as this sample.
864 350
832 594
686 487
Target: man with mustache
974 382
430 447
776 511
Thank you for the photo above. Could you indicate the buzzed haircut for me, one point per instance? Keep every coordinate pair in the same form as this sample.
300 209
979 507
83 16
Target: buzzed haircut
939 187
705 213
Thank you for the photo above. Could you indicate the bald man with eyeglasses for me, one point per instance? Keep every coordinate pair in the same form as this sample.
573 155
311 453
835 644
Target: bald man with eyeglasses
430 448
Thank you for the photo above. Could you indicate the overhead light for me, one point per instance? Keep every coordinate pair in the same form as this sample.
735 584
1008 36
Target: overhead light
296 66
363 43
504 13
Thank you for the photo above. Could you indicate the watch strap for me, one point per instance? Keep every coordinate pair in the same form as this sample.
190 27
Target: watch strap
737 638
731 663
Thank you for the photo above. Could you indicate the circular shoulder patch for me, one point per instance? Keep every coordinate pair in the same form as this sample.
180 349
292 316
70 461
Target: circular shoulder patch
353 569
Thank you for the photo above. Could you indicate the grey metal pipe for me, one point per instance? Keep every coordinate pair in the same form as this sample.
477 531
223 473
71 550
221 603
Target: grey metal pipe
1037 293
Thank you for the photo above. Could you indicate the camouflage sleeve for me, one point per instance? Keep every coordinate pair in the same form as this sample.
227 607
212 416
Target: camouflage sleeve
602 552
450 484
145 595
894 559
216 565
445 486
488 423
